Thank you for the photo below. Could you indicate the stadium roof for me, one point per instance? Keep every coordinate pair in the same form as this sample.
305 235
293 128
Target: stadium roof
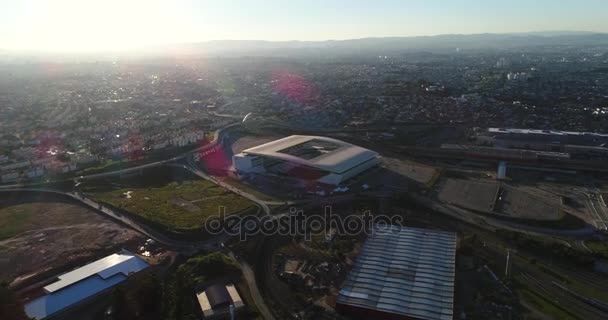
83 283
404 271
333 155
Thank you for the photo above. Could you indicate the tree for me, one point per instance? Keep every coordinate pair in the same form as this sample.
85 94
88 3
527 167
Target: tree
177 297
139 299
10 306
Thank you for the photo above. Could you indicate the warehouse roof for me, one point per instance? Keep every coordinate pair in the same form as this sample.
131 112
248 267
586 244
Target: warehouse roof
405 271
217 297
105 268
318 152
83 283
546 132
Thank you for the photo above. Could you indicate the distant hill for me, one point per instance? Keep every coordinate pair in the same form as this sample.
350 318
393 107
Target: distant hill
448 41
380 46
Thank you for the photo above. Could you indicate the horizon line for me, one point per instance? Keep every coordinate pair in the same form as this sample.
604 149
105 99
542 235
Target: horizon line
149 46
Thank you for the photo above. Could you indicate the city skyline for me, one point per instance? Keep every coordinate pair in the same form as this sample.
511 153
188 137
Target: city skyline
81 26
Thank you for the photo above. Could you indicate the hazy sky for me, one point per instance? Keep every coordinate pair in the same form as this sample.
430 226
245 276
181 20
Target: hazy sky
88 25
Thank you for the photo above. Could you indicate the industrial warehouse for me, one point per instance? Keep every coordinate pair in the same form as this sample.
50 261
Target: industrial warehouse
84 283
321 159
402 273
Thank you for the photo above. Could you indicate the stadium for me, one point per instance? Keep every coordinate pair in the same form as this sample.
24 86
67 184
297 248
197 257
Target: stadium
315 158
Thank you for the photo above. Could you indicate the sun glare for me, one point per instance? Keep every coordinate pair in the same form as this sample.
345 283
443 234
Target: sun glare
73 25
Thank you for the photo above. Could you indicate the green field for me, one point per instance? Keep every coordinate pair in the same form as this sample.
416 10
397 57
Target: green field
546 306
175 201
15 220
599 248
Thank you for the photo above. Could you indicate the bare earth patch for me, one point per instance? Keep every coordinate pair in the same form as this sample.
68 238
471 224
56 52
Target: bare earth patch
468 194
524 205
41 236
416 171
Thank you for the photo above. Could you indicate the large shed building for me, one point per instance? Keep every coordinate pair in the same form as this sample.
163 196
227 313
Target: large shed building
84 283
402 274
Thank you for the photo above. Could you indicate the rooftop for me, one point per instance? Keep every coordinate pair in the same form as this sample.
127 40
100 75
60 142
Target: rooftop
404 271
105 268
217 297
318 152
546 132
83 283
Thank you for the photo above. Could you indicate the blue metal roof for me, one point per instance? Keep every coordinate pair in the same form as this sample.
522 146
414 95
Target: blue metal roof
89 286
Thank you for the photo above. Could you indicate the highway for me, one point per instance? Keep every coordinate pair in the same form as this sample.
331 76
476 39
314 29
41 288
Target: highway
249 276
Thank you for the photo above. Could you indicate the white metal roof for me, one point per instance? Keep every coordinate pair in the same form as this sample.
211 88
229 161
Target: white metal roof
345 157
545 132
119 263
406 271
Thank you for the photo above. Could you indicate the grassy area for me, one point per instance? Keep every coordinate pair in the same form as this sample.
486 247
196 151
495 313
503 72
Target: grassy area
562 276
313 254
566 221
247 188
599 248
431 183
105 166
546 306
15 220
181 204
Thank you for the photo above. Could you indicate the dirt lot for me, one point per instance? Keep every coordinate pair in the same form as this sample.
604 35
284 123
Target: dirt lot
473 195
516 203
415 171
39 236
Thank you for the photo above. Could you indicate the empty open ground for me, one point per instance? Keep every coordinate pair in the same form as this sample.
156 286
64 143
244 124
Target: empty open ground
415 171
42 235
523 205
474 195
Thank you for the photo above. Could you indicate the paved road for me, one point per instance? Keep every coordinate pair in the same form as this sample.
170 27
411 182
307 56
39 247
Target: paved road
249 276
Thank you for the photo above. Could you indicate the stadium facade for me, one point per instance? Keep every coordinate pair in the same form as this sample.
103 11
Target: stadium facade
321 159
402 273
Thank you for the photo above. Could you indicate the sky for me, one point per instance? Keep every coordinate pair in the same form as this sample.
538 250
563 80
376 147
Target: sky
95 25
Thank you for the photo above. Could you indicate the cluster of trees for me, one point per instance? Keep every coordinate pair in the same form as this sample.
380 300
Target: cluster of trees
147 297
180 287
10 306
546 248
